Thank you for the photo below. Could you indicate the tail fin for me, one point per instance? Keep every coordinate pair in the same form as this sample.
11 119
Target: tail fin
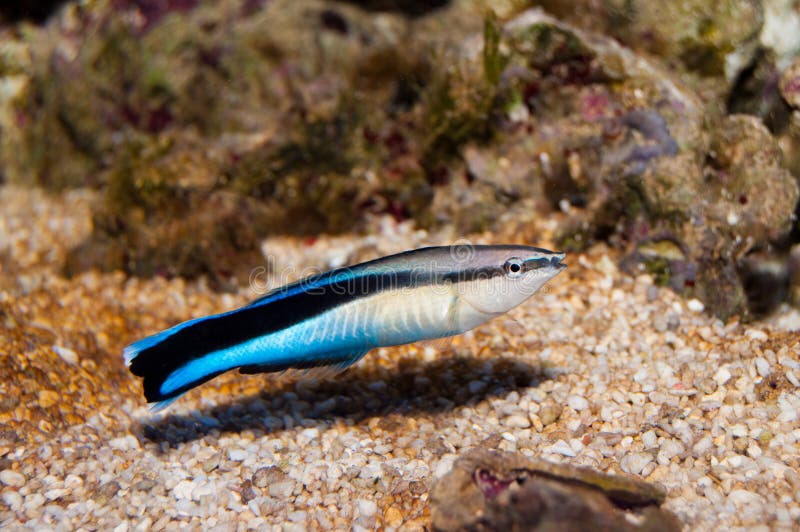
191 353
178 359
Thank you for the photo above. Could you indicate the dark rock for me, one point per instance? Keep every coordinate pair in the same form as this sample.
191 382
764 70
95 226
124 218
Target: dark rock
412 8
266 476
494 490
106 492
765 279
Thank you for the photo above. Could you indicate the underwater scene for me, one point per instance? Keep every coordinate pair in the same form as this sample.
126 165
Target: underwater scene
400 265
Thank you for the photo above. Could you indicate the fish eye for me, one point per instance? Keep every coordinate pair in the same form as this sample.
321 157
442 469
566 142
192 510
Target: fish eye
513 267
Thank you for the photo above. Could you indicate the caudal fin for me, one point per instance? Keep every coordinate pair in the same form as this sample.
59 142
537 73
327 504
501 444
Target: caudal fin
178 359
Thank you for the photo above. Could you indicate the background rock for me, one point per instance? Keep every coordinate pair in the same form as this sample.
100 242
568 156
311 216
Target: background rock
205 133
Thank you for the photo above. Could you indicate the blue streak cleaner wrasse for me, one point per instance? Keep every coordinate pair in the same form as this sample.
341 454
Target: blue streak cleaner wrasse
334 318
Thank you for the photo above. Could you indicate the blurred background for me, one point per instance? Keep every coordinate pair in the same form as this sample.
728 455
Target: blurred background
669 130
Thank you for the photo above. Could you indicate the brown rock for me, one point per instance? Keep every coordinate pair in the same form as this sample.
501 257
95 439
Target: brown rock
494 490
393 517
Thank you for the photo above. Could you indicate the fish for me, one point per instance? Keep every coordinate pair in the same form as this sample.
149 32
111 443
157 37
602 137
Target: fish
332 319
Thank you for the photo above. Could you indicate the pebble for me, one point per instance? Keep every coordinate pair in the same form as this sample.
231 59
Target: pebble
56 493
649 439
237 455
124 443
722 376
740 496
366 507
393 517
12 478
762 367
33 502
266 476
183 489
66 354
281 490
549 413
634 463
757 335
669 449
660 322
576 402
695 305
738 430
560 447
703 446
47 398
517 421
13 499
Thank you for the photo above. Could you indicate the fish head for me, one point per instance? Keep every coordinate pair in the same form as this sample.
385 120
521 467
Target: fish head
499 278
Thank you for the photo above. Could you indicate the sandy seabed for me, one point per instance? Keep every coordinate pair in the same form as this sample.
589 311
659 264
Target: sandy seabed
599 369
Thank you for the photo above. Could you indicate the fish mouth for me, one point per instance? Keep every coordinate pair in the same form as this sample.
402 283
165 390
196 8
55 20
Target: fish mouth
555 261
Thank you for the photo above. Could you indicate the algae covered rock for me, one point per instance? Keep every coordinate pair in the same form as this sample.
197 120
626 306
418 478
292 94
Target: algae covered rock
207 132
208 126
714 39
589 127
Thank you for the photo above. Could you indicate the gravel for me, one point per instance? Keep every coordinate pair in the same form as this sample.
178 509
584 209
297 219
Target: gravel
599 369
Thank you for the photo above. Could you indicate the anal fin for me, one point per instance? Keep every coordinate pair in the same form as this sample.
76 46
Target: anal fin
321 367
440 345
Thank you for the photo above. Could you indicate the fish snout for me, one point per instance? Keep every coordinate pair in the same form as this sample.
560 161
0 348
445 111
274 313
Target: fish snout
555 261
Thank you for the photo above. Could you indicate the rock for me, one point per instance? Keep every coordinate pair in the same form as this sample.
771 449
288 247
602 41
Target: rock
669 449
634 463
716 41
649 439
266 476
12 478
338 115
695 305
762 366
576 402
504 491
366 507
560 447
237 455
550 412
393 517
517 421
790 84
66 354
106 492
13 499
281 490
183 489
722 376
668 175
